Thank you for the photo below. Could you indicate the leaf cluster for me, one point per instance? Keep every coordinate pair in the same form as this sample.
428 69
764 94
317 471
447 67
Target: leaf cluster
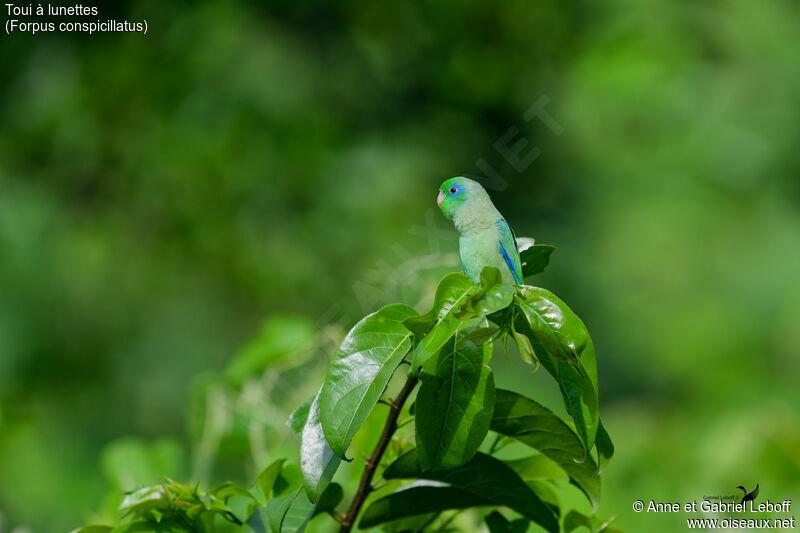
442 453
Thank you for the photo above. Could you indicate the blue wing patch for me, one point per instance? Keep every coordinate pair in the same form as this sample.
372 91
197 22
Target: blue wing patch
507 235
510 264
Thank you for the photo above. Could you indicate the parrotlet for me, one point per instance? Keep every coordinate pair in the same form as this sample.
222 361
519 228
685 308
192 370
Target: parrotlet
484 236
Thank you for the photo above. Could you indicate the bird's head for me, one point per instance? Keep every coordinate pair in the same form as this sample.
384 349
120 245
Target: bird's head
457 193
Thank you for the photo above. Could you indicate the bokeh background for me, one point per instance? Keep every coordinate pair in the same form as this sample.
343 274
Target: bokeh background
190 219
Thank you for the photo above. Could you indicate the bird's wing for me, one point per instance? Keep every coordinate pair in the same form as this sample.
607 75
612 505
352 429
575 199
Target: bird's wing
509 250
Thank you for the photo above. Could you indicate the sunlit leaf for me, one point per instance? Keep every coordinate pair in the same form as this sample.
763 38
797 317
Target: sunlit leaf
439 324
491 296
553 328
317 460
146 498
359 372
455 406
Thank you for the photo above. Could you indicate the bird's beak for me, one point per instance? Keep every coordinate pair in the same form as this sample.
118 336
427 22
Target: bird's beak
440 198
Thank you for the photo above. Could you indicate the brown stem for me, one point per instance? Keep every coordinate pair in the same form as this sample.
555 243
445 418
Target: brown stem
372 462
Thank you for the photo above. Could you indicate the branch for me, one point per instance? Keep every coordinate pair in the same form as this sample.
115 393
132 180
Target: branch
365 487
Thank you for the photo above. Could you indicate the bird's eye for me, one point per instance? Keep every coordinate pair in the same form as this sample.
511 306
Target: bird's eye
453 190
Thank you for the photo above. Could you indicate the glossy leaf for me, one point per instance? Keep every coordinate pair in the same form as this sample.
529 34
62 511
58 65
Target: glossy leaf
417 499
491 296
93 529
359 372
535 258
144 499
483 476
533 424
455 406
438 325
556 330
318 463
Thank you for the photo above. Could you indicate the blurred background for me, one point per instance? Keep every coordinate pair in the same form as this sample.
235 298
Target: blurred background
190 220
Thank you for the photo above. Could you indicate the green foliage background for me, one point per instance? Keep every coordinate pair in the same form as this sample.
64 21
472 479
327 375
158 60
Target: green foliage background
161 195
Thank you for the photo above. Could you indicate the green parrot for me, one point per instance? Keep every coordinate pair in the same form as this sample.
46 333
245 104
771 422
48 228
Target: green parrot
484 236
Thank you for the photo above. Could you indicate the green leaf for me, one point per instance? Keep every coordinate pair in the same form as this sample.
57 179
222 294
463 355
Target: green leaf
498 523
435 327
537 467
289 479
533 424
93 529
455 406
481 335
359 372
168 524
297 420
144 499
605 448
553 328
317 460
491 296
417 499
535 258
487 477
525 348
265 481
282 336
575 520
229 490
298 515
276 510
329 499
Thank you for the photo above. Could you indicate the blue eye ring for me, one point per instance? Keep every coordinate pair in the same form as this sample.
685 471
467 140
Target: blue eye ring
453 189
